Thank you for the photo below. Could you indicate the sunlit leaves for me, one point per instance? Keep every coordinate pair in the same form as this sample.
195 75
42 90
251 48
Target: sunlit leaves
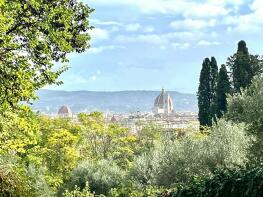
33 35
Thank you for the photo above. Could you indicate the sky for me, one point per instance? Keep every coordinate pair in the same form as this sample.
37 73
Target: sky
154 44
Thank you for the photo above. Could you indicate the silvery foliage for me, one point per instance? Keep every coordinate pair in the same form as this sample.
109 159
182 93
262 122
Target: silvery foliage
179 161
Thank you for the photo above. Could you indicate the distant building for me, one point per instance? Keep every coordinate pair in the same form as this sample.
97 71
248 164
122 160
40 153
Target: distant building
163 104
65 112
114 119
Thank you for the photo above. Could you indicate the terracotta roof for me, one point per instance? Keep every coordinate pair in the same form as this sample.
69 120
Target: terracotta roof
163 99
113 119
64 110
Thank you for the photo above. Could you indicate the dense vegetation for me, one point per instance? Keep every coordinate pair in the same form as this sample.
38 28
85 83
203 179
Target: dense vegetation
214 86
43 156
236 183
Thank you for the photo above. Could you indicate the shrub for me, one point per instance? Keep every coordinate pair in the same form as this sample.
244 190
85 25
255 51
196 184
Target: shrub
178 162
77 193
234 183
101 176
247 107
11 182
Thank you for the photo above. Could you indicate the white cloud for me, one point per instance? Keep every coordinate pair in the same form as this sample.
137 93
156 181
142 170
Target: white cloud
181 45
207 43
93 78
76 78
99 34
106 23
206 8
98 72
115 28
100 49
251 23
149 29
133 27
164 38
192 24
142 38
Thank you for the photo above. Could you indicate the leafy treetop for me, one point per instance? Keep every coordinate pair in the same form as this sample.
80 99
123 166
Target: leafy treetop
34 34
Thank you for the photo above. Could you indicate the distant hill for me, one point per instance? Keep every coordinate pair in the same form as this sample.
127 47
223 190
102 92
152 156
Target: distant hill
124 101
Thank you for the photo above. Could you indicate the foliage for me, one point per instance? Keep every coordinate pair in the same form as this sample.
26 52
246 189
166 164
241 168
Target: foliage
247 107
243 67
18 132
214 86
33 35
213 83
204 94
103 141
177 162
77 193
60 155
101 176
50 149
17 179
132 190
223 88
148 135
11 182
234 183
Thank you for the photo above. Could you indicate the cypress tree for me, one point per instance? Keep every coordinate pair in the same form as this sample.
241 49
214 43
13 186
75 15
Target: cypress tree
222 89
240 65
204 94
213 85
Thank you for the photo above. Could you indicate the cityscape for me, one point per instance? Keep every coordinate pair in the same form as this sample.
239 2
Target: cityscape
163 114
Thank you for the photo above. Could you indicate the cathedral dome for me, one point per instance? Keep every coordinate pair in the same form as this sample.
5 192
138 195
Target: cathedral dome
163 103
64 111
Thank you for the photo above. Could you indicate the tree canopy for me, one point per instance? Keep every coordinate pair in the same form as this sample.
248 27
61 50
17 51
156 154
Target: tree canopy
204 94
223 88
34 34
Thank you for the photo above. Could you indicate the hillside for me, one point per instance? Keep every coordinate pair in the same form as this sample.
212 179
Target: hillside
124 101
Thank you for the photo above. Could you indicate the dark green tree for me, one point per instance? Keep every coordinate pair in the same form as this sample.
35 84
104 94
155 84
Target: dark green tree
213 84
222 89
243 67
34 34
204 94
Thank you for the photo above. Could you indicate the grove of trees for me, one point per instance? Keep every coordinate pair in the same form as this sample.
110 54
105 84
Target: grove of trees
214 86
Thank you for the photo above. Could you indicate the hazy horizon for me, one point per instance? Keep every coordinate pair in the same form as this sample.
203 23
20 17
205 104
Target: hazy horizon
109 91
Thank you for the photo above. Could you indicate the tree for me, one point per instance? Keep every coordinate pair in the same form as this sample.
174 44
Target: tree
213 81
148 135
222 89
242 71
60 155
204 94
100 177
178 161
243 67
103 141
247 107
34 34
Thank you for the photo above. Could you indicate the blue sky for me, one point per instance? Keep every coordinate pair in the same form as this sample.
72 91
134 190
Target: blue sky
150 44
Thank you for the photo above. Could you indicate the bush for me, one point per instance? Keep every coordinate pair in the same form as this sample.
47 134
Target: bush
234 183
11 182
247 107
77 193
102 176
17 179
179 161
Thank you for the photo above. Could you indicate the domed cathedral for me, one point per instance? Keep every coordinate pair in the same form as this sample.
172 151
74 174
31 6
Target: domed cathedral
163 104
65 112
